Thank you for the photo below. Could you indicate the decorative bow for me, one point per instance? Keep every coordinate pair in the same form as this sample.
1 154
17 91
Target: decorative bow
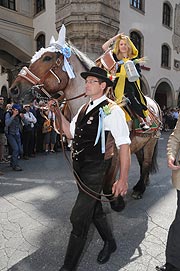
66 51
103 112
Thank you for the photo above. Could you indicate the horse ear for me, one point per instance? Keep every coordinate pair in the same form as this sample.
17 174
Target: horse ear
62 36
52 41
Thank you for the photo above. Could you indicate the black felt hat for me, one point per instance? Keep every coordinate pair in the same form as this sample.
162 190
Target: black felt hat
99 73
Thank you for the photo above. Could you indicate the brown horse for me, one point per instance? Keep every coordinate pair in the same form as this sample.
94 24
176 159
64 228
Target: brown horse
46 77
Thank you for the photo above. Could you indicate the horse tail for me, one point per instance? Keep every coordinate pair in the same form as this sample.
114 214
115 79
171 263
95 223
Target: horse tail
154 164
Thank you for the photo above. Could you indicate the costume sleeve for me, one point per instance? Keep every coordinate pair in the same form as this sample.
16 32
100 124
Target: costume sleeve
116 123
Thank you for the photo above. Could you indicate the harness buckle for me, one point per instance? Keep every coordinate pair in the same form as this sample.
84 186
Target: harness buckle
58 62
75 152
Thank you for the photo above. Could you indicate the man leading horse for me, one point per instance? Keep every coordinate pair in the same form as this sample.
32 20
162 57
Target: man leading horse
46 73
90 130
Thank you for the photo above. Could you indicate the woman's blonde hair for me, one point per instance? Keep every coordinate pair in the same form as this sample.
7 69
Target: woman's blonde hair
132 51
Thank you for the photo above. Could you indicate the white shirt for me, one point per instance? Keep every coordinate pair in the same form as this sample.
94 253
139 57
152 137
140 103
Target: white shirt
30 118
114 122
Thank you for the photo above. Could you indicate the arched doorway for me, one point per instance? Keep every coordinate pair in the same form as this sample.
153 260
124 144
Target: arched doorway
164 95
145 86
178 101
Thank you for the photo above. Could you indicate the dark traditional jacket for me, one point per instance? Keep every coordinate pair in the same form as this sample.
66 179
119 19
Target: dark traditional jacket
85 135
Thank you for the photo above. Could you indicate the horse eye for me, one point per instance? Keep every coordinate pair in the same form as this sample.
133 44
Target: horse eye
47 58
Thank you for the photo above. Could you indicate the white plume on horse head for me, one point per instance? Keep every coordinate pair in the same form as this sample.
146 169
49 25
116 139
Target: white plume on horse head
62 36
58 46
54 46
60 43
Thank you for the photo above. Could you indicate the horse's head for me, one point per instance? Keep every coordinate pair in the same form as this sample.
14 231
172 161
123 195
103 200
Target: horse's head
51 71
44 75
48 73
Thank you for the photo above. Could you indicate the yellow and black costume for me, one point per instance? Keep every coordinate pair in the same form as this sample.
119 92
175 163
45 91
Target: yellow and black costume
131 90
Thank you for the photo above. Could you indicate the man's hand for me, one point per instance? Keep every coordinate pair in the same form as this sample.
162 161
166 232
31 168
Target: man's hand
171 164
15 112
21 115
120 187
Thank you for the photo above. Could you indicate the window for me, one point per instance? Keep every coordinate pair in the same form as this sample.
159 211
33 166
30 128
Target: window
165 54
40 5
8 4
166 15
138 4
136 39
40 41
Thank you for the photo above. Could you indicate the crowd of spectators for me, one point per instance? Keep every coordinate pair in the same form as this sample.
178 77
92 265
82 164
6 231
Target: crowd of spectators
26 131
29 130
170 117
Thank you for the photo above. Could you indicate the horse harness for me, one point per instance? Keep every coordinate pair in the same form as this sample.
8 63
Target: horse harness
39 82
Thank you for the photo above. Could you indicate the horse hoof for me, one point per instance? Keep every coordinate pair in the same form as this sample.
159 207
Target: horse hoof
117 204
136 195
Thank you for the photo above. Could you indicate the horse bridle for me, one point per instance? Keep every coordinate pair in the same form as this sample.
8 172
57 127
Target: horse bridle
39 82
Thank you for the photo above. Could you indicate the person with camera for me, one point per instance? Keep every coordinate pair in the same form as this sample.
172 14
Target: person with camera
50 134
13 133
2 135
28 135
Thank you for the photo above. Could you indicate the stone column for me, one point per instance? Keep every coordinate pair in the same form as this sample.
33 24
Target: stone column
88 23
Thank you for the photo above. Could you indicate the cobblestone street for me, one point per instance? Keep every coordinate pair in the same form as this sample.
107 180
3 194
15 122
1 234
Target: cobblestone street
35 206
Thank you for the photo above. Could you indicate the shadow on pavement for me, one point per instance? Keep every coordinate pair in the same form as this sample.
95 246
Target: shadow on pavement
52 215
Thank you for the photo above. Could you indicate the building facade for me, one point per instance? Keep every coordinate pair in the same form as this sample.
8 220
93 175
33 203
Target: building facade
27 25
88 23
155 25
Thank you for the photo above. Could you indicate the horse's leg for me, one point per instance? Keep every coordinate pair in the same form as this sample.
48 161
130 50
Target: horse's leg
117 204
146 157
139 188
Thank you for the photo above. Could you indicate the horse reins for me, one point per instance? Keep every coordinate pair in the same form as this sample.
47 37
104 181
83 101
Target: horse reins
74 98
39 83
79 182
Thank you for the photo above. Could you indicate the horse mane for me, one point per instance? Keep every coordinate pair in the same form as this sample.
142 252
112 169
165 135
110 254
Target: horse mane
83 58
